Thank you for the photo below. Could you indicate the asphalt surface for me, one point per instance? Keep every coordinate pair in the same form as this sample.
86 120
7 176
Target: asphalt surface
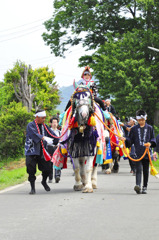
113 212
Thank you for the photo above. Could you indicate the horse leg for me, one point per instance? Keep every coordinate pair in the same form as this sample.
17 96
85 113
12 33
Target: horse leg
78 184
82 170
107 169
116 165
89 168
94 177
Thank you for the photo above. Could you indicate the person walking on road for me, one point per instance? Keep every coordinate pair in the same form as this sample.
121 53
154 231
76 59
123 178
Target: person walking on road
37 139
52 148
132 164
142 136
109 107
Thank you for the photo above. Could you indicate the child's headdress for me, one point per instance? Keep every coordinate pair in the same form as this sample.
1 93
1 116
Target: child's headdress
86 71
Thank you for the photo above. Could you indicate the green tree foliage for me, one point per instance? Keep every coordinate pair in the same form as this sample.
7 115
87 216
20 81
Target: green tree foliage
45 88
13 119
123 73
88 22
3 97
40 82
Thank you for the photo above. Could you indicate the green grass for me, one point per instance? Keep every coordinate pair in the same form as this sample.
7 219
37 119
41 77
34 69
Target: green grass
13 172
12 177
156 164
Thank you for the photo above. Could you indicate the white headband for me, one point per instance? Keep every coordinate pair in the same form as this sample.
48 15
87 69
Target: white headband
141 116
40 114
133 119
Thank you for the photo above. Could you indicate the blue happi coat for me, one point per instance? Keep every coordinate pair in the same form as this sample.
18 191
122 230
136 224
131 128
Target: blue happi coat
135 137
33 139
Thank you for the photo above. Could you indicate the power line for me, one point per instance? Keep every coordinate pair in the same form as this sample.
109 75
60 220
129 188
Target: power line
22 30
22 25
20 35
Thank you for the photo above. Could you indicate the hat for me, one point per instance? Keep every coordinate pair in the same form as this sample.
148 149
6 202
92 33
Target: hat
108 100
86 70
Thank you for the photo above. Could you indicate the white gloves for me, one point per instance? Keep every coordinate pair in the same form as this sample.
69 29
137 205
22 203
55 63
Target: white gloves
48 140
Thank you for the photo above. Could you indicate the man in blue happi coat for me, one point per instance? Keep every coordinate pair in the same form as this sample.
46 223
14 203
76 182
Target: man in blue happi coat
37 138
141 135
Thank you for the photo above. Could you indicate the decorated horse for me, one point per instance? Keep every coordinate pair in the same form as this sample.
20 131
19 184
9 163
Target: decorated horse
83 139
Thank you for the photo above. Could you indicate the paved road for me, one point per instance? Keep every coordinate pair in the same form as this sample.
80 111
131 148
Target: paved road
113 212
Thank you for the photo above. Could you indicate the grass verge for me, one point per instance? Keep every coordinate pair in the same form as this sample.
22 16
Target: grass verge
13 173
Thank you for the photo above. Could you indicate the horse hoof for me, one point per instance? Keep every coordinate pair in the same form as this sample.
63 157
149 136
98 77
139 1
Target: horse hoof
94 186
108 171
78 187
87 190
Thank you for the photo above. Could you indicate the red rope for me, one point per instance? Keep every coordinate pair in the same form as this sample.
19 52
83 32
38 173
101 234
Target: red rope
52 134
47 156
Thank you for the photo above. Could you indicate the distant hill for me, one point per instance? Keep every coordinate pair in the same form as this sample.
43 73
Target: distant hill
65 94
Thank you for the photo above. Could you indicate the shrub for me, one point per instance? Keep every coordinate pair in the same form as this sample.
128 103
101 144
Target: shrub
13 122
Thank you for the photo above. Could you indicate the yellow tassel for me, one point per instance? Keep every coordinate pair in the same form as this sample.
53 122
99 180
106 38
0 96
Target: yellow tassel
63 150
153 171
98 144
117 148
99 152
92 121
108 161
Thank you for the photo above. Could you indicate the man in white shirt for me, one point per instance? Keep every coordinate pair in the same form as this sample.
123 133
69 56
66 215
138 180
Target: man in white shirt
51 149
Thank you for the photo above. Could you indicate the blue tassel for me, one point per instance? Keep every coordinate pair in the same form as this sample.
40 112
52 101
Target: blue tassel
61 118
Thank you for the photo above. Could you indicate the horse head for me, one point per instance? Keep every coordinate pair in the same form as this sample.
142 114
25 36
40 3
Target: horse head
83 103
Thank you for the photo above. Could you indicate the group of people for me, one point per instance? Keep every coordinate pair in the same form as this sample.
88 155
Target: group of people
42 140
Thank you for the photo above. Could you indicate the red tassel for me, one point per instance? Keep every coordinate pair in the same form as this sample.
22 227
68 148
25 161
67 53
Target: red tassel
46 155
71 122
94 160
65 163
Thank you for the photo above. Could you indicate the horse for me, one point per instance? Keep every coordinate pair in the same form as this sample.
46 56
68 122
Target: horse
84 141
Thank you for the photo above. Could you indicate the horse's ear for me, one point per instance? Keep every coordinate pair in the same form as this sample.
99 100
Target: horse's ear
75 85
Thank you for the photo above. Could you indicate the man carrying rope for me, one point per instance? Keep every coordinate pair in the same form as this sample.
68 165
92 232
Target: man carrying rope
142 136
38 136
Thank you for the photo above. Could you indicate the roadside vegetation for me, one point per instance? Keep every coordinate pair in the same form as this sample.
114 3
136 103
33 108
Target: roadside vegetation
13 172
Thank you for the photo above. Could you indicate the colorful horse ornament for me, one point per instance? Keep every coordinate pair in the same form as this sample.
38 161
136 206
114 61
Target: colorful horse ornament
84 141
112 162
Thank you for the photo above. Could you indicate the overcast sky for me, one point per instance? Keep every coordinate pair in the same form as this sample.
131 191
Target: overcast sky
20 39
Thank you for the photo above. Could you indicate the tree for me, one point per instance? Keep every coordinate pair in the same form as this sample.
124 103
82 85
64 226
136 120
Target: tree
89 22
34 88
123 72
